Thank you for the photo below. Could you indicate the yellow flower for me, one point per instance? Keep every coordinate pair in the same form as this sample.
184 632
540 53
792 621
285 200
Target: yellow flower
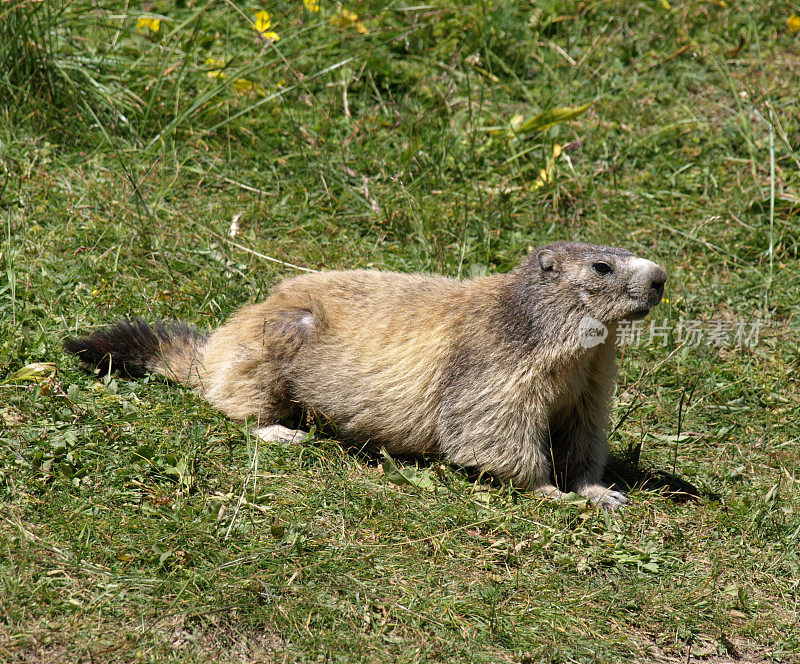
151 24
347 19
216 68
240 85
262 25
547 174
311 5
263 21
794 23
245 85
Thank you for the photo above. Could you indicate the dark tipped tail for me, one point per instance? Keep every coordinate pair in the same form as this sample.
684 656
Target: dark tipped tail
135 348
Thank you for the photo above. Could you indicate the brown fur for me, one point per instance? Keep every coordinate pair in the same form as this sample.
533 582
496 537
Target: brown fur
490 373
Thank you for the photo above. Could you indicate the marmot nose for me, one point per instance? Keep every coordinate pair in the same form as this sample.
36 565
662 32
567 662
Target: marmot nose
658 280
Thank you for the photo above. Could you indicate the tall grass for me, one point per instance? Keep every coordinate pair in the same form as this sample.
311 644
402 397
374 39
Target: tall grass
28 48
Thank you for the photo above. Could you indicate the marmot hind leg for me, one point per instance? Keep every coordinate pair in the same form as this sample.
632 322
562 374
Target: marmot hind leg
277 433
248 362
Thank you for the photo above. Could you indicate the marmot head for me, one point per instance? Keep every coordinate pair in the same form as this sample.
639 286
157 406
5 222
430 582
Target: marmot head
611 284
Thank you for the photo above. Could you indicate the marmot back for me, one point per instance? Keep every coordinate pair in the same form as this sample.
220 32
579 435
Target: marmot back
492 373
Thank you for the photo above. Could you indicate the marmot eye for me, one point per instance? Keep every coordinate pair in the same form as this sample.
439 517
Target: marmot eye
602 268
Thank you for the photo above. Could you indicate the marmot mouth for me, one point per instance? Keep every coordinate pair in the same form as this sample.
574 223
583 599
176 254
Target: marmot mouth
638 313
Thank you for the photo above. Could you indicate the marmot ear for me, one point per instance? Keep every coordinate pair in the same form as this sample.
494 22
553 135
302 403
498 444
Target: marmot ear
547 260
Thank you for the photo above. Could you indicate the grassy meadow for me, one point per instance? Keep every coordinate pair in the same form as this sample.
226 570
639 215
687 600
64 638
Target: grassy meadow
177 159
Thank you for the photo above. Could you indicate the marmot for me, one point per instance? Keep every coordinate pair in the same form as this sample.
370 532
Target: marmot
494 373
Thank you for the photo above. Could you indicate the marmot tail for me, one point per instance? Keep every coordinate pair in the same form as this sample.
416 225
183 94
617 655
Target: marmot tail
135 348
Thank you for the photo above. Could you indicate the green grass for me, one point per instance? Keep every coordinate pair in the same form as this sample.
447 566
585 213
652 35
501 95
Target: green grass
138 524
